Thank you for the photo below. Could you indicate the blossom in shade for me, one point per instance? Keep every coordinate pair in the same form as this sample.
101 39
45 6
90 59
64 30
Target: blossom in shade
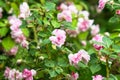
1 10
24 10
28 74
59 37
84 24
95 29
74 76
97 77
13 51
118 12
82 55
72 33
102 4
65 15
97 38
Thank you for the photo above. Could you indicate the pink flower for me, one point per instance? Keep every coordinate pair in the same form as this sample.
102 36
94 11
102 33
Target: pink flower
95 29
28 74
6 73
118 12
12 74
84 24
18 75
102 4
59 37
14 21
98 77
97 38
74 76
65 15
74 58
84 55
24 10
13 51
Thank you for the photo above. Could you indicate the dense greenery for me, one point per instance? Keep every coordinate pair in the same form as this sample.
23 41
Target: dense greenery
50 38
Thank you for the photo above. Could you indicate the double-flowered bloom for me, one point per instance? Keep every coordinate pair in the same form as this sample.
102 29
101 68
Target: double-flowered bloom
82 55
58 37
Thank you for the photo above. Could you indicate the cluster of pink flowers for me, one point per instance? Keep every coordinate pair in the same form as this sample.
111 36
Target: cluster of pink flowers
59 37
1 10
102 4
98 77
82 55
24 10
67 11
13 74
16 32
74 76
97 38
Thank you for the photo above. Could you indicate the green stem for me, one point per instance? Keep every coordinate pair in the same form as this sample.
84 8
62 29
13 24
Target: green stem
107 68
35 35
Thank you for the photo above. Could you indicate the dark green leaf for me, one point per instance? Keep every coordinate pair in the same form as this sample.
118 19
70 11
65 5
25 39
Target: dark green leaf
95 68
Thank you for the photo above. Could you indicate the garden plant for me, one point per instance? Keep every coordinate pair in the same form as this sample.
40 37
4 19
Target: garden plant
59 39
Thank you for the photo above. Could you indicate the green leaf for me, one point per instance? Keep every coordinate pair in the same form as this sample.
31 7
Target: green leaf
62 62
116 48
2 24
3 57
107 41
52 73
95 68
68 25
105 51
50 63
3 31
114 19
55 24
82 65
8 43
15 8
59 70
50 6
45 41
25 31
